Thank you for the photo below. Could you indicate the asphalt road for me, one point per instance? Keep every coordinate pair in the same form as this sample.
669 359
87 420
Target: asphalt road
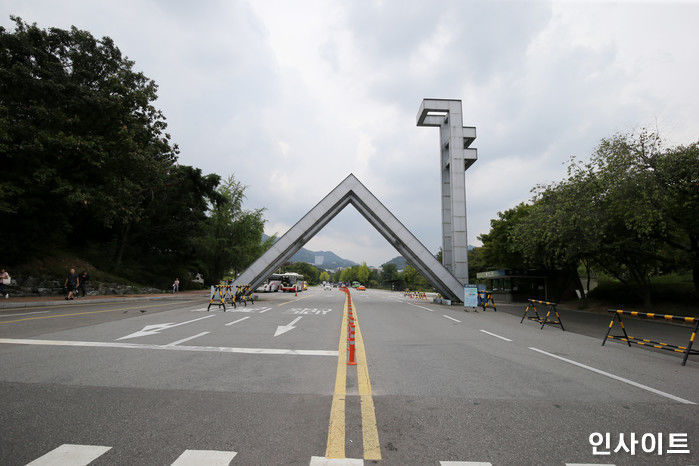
161 382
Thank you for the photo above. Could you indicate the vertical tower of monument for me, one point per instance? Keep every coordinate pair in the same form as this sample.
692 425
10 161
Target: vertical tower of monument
456 157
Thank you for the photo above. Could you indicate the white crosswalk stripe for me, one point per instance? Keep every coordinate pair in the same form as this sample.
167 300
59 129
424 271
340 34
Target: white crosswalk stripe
82 455
205 457
464 463
73 455
323 461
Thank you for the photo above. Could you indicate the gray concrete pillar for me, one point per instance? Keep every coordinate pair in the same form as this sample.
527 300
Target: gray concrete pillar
456 157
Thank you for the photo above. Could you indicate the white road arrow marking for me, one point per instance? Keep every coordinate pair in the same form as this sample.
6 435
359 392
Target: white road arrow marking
157 328
285 328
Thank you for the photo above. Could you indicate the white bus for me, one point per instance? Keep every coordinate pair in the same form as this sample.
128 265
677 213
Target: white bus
273 284
292 282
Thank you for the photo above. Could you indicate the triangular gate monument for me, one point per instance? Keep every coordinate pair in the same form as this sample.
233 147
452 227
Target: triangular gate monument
449 278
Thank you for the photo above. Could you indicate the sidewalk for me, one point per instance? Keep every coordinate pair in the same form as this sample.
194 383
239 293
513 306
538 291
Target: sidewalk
34 301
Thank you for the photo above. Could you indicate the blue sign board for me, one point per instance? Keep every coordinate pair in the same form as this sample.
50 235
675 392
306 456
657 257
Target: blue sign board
470 296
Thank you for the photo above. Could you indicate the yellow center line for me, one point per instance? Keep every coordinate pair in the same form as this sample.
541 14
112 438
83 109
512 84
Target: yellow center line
292 301
84 313
370 434
76 304
336 429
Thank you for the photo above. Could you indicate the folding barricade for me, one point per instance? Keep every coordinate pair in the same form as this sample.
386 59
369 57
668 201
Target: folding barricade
485 299
220 291
551 307
686 350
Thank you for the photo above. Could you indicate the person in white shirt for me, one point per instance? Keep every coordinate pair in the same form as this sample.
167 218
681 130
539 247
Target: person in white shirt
4 280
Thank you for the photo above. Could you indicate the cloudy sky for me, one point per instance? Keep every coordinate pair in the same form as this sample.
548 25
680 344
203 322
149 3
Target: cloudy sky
292 96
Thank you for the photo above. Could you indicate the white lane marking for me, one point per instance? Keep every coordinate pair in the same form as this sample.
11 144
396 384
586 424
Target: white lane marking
23 314
75 455
187 339
285 328
208 457
464 463
215 349
494 335
156 328
265 310
423 307
455 320
615 377
236 321
589 464
323 461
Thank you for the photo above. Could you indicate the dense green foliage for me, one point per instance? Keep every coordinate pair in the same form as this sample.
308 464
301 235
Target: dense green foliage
631 211
87 167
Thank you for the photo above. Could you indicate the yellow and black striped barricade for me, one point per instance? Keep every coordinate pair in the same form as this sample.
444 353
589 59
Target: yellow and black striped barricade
230 295
218 297
485 300
686 350
247 294
239 295
550 308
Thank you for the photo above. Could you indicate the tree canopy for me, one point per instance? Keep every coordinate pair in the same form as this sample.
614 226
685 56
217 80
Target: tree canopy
630 211
88 166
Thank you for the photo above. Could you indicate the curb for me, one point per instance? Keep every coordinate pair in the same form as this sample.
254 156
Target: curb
24 304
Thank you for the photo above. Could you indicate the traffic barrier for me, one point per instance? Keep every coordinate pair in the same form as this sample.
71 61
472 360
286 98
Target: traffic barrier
686 350
220 291
551 307
485 299
350 332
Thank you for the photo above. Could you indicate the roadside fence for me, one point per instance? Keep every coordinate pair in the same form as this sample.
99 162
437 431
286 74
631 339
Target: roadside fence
686 350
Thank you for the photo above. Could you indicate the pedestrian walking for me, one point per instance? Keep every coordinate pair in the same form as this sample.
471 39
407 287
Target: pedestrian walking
83 278
71 284
176 285
4 280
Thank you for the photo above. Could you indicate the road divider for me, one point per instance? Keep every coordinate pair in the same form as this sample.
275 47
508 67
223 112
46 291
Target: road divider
550 307
335 448
686 350
336 430
351 344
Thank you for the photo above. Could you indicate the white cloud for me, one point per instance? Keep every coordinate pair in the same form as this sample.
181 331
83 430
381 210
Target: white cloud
292 96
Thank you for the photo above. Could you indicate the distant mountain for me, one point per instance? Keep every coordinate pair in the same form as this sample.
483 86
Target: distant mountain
321 259
401 262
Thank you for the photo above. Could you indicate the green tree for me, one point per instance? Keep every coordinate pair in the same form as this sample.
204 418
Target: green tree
363 273
80 138
389 274
232 237
310 272
324 276
499 248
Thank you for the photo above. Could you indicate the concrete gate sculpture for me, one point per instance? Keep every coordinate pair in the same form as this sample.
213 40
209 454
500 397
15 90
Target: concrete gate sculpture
352 191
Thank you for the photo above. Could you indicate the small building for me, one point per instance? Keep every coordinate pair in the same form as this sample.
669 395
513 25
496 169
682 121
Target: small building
515 285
